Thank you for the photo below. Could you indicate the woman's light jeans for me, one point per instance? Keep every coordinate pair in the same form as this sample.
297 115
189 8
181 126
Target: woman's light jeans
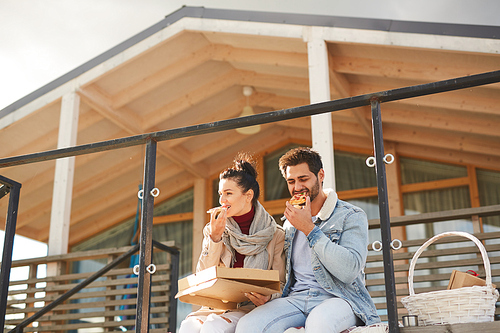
317 310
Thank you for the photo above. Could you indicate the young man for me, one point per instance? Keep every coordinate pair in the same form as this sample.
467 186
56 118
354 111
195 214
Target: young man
326 247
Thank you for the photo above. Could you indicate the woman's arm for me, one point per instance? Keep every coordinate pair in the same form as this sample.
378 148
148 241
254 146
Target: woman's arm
211 251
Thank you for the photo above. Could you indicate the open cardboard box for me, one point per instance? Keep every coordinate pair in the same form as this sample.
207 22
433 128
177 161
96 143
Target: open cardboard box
223 288
460 279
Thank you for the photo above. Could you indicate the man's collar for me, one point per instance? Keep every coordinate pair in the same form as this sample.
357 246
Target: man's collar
329 205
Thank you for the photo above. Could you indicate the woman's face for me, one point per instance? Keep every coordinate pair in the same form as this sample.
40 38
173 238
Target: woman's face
232 196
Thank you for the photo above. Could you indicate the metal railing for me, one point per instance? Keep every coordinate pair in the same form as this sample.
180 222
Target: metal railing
174 276
150 141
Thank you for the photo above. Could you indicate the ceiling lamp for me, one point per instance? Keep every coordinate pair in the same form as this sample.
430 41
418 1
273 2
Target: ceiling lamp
248 111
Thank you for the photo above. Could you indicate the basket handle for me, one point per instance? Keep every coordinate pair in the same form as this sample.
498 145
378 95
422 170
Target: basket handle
486 260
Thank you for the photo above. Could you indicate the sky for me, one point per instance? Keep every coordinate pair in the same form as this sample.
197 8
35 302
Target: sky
40 40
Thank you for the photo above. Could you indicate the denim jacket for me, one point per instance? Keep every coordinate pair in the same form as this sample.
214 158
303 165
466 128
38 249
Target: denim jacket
339 247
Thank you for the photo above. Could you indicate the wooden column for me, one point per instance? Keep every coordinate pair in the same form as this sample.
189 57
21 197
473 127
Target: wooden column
319 91
63 181
394 189
199 216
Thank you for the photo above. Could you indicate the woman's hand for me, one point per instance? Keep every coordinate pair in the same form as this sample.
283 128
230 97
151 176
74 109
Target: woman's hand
257 299
218 224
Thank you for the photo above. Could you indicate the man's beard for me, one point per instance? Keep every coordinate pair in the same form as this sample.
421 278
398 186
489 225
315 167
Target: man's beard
313 192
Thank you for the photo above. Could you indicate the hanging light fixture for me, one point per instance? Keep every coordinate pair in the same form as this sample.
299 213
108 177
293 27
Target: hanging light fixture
248 111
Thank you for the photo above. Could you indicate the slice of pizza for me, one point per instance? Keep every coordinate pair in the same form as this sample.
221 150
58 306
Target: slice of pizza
217 209
298 200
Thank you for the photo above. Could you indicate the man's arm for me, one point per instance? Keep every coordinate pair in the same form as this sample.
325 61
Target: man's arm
347 258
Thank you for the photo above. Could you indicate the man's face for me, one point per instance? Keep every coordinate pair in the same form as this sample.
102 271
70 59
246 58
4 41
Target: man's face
300 179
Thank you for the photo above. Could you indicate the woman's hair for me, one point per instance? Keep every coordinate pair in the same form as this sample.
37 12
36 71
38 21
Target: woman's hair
243 173
298 156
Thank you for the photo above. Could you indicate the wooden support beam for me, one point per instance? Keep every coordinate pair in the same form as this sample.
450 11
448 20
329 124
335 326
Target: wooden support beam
199 216
63 181
319 90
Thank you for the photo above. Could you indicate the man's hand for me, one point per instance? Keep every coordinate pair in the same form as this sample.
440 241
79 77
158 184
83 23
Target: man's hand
217 224
300 218
257 299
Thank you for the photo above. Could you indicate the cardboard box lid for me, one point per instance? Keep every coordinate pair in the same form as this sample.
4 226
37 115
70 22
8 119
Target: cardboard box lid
258 277
223 288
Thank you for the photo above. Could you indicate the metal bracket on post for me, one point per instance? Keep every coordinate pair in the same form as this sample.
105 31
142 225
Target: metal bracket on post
385 224
146 240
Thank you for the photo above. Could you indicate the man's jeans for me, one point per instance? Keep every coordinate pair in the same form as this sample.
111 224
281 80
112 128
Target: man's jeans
315 309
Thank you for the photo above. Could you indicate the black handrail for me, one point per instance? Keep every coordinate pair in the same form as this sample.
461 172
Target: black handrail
174 275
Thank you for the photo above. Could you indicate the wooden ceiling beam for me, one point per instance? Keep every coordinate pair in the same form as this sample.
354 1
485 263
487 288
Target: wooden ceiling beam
225 142
101 104
267 137
399 114
442 139
163 75
197 170
446 155
280 102
423 71
227 110
231 110
191 98
259 56
279 82
97 99
460 100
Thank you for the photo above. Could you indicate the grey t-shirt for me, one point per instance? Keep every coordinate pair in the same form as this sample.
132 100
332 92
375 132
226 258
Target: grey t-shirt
301 263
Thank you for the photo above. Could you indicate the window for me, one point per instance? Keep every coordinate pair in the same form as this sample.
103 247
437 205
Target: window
418 171
351 172
488 183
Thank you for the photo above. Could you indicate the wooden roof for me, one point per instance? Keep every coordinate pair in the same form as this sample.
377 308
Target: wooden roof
191 68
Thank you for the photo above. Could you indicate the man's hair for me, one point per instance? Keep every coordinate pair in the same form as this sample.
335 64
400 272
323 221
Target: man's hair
298 156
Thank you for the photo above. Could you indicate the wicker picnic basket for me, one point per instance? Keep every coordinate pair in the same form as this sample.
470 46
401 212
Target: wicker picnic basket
462 305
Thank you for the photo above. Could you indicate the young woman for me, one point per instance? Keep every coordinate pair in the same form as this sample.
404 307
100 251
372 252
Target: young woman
240 234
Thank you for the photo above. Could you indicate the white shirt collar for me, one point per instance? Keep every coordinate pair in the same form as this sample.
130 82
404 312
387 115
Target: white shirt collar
329 205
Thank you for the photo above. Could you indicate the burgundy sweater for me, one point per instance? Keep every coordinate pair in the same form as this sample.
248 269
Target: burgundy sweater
244 221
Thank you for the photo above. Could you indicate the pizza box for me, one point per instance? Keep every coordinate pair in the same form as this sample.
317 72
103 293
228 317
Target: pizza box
223 288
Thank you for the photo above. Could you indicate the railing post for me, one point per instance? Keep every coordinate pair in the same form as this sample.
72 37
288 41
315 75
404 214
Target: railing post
385 224
174 276
146 241
10 231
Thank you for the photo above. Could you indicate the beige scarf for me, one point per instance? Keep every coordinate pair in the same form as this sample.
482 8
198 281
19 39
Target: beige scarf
253 245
